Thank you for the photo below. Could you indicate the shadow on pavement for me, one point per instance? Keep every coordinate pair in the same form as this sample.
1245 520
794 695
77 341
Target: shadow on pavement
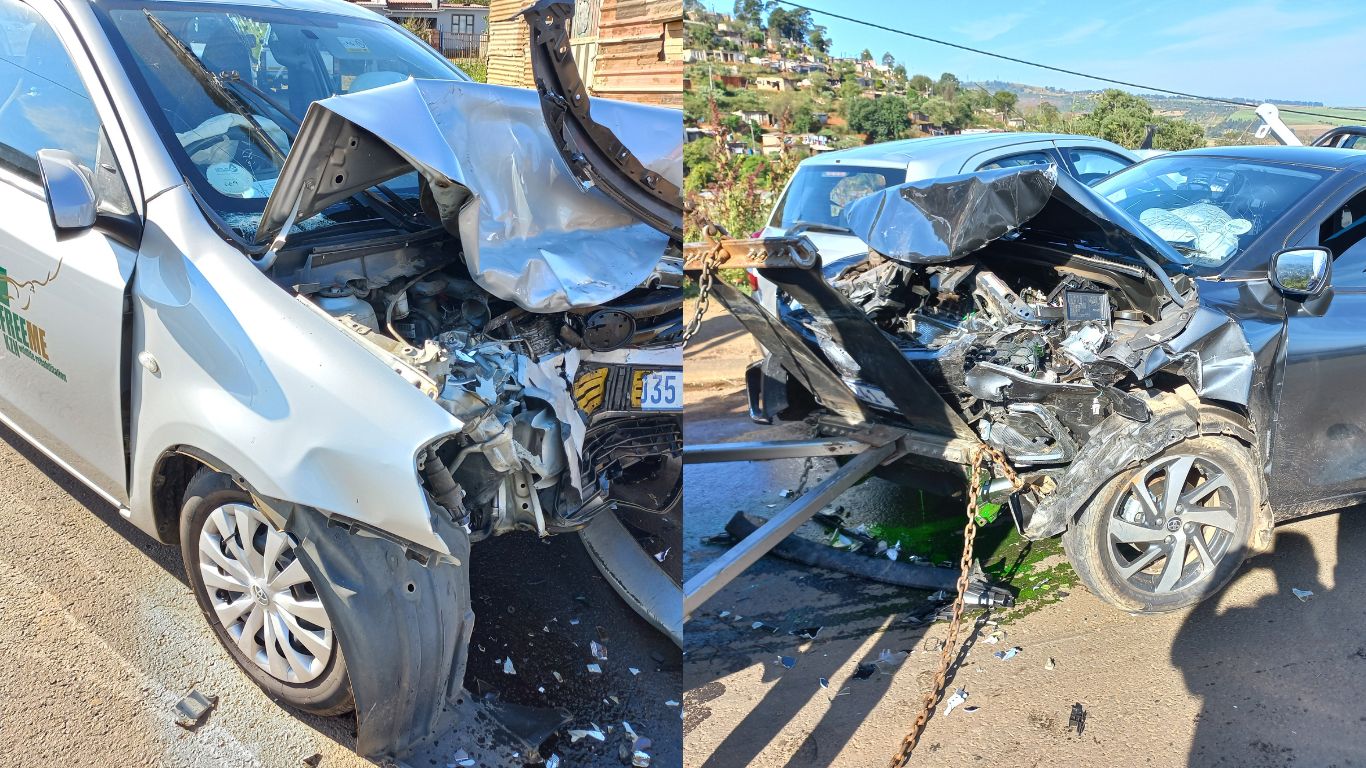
1298 698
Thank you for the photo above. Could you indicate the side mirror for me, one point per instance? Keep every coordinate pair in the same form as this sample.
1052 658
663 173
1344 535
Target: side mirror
1301 272
70 196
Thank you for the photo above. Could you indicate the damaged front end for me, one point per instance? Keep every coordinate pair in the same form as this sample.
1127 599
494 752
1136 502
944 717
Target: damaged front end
534 307
1016 308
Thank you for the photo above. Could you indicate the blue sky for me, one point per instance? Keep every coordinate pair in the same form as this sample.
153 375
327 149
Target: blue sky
1279 49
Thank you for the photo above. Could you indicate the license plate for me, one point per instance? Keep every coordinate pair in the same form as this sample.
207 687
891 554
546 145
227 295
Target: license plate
662 391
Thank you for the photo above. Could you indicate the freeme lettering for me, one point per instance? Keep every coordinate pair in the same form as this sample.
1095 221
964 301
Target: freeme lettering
23 338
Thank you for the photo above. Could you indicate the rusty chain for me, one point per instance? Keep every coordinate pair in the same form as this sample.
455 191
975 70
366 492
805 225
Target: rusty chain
998 460
715 233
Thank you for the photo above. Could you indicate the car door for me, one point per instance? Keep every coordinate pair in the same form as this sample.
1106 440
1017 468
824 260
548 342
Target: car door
62 372
1319 443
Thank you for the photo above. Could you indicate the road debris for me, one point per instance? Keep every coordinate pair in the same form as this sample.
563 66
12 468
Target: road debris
995 637
193 708
894 551
1302 594
1078 718
662 556
463 760
508 669
939 597
766 627
595 733
959 696
598 650
1050 664
788 661
314 760
865 671
970 710
809 633
595 669
633 671
670 703
887 656
1007 654
558 677
553 761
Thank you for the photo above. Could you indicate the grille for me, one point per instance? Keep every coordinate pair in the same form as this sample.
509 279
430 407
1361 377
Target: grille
618 443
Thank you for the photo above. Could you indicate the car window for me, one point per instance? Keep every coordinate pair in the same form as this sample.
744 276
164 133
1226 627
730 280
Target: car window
229 84
1344 233
1019 160
819 194
43 104
1210 209
1093 164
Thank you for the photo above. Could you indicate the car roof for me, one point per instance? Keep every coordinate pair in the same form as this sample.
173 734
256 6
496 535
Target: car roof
1322 157
938 148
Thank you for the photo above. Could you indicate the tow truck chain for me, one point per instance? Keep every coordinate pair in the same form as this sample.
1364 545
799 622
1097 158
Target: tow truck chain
715 233
946 654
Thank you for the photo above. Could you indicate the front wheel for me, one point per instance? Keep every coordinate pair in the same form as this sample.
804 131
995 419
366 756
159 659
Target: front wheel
257 597
1172 531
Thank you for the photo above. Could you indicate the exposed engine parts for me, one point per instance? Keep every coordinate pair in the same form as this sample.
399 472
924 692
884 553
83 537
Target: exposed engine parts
548 436
1021 352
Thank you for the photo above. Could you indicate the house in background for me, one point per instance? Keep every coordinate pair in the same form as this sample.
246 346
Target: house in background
458 30
625 49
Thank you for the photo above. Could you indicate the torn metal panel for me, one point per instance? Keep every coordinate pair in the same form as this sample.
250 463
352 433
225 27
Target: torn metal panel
587 142
530 231
936 220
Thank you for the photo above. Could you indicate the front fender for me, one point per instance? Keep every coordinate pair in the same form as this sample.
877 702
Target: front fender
1117 444
246 373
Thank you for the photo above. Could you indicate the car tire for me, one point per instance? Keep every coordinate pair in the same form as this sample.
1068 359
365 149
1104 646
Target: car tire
1126 544
306 669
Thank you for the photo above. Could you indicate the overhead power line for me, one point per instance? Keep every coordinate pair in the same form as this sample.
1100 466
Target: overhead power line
1003 57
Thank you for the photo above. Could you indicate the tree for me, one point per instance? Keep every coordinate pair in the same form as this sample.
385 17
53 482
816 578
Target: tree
882 119
1045 117
1178 134
1124 119
921 85
820 82
789 25
818 39
900 72
867 55
749 11
888 59
701 37
947 87
1003 102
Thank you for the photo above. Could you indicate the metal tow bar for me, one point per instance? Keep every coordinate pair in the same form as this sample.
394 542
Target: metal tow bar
723 570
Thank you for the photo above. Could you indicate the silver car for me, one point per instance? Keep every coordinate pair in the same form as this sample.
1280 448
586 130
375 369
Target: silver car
289 290
815 197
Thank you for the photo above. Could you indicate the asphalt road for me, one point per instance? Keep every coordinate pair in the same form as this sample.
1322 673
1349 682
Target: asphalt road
1252 677
100 637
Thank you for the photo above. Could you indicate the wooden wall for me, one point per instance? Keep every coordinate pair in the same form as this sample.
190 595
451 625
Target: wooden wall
634 52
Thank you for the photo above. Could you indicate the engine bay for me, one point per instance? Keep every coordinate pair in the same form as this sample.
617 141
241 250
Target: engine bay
554 428
1030 352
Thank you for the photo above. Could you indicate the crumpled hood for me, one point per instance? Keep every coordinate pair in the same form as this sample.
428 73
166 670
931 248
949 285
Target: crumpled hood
531 232
939 220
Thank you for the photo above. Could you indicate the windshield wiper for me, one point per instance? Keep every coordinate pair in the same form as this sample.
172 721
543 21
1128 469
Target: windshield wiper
212 81
799 227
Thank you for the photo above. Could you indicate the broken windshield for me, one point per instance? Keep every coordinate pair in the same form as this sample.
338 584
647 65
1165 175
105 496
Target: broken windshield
229 84
1209 208
819 194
